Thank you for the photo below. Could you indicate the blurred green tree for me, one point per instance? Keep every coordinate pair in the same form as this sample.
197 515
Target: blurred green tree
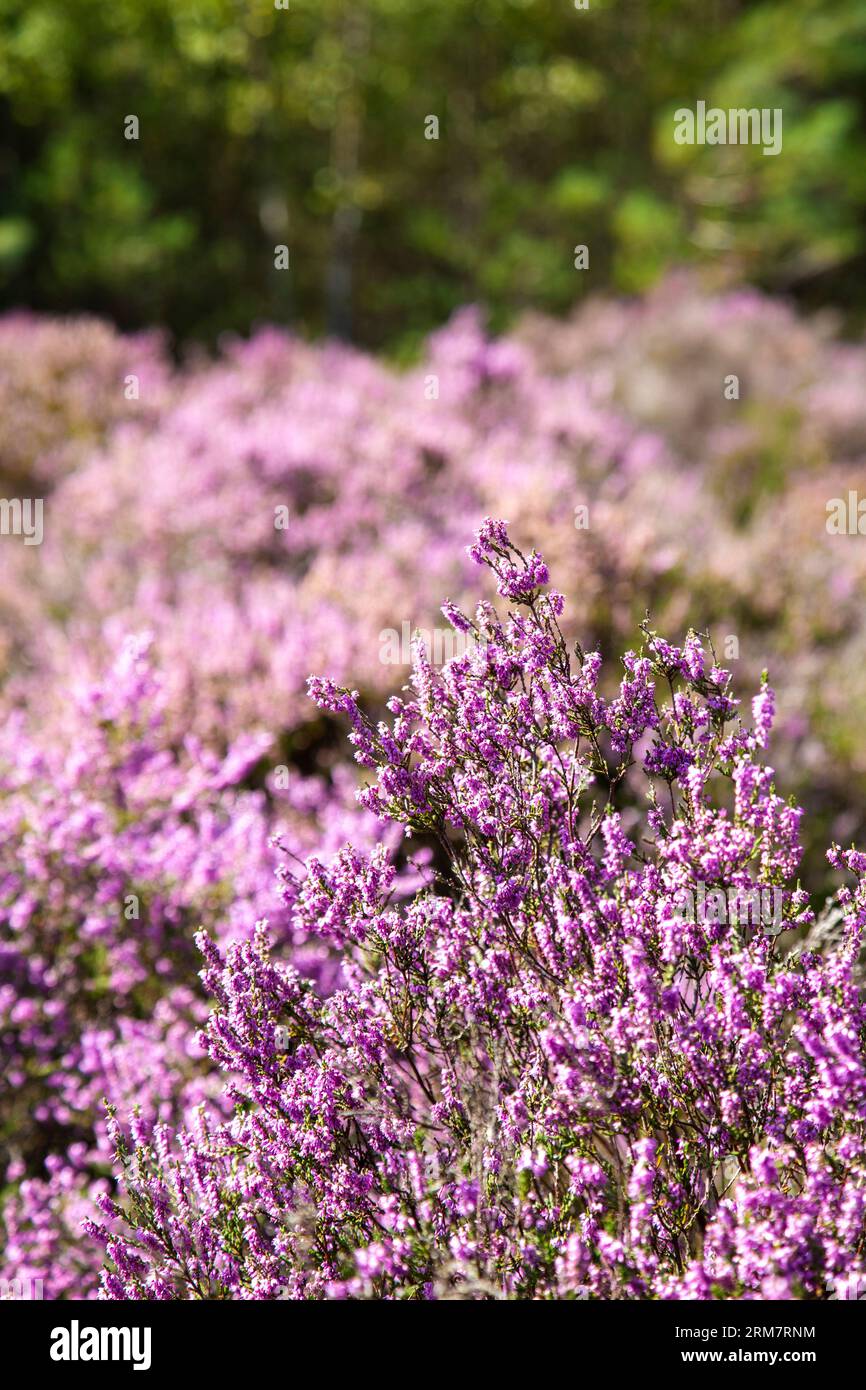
310 126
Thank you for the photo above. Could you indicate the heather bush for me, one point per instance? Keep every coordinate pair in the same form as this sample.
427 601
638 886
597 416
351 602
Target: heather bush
117 845
63 384
172 776
539 1075
172 529
698 508
663 361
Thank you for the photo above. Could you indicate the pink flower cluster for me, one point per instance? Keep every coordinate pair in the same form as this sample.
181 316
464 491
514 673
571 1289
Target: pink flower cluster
275 512
162 513
118 843
536 1077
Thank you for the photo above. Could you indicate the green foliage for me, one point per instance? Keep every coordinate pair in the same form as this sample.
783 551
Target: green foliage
306 126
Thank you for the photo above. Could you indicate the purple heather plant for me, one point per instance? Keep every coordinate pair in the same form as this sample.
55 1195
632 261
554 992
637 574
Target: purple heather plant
160 512
118 843
137 775
535 1078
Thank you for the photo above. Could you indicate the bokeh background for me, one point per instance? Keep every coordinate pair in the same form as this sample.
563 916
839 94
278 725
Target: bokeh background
431 355
305 126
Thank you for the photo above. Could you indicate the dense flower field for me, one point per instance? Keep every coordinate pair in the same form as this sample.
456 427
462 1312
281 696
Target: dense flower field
462 1038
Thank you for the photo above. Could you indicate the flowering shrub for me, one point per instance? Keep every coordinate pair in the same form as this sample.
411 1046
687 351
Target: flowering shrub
116 846
536 1076
148 789
64 383
700 508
